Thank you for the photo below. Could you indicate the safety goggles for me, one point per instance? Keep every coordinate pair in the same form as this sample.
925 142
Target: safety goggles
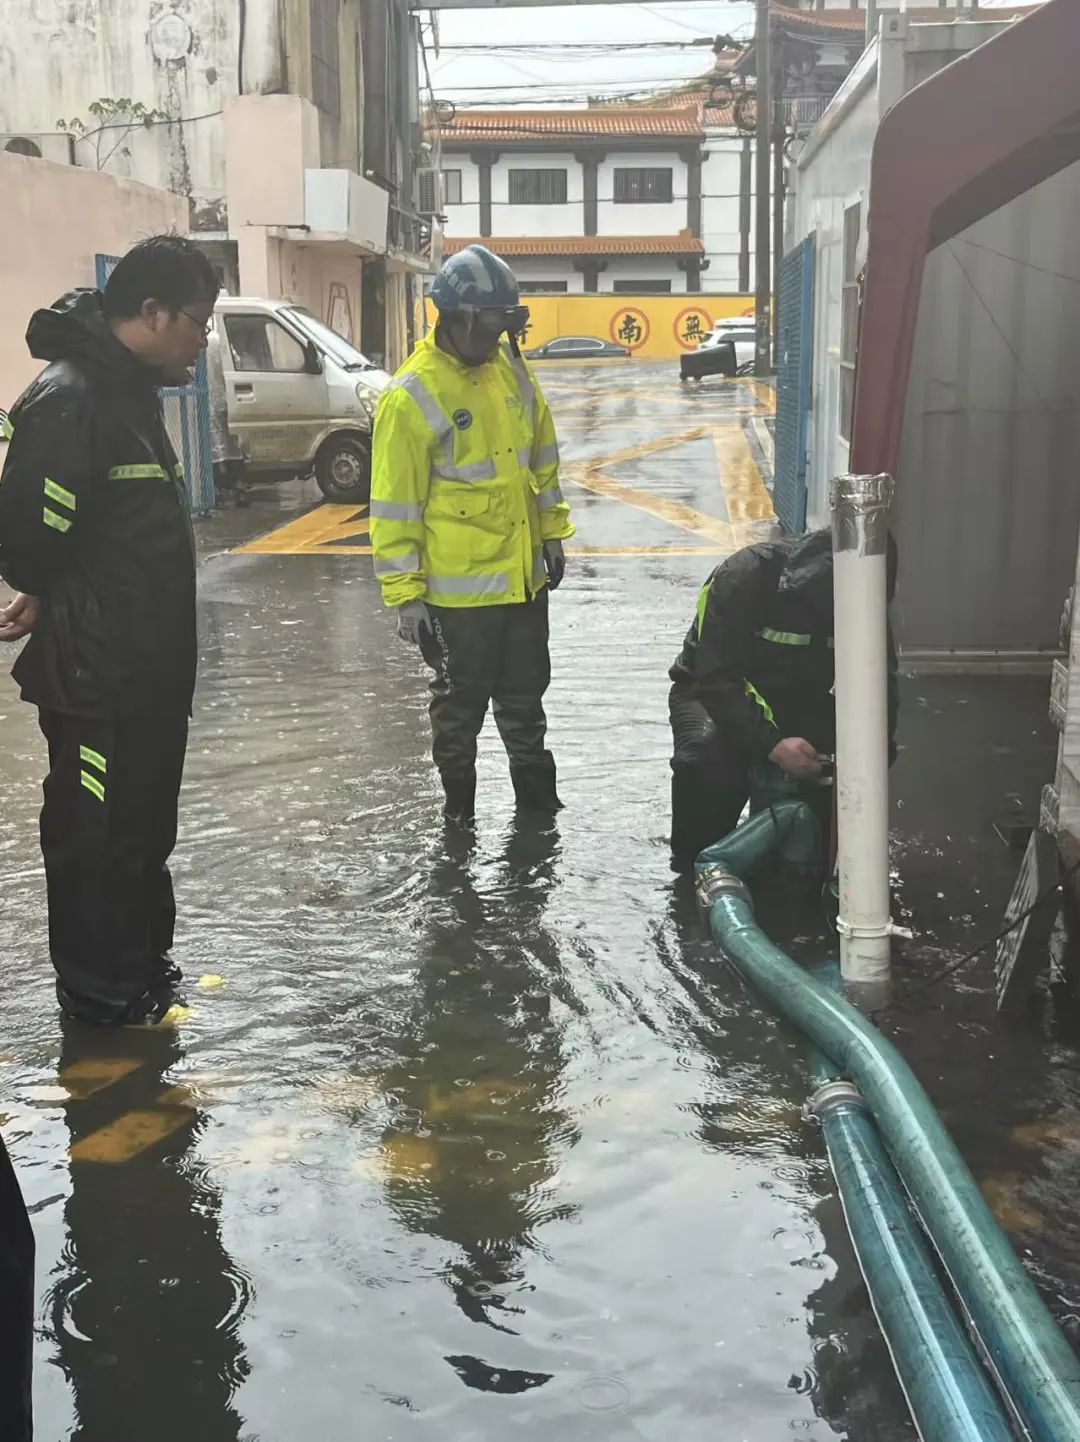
492 321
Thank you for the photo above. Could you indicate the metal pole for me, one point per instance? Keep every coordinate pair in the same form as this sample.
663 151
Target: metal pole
779 130
860 506
762 217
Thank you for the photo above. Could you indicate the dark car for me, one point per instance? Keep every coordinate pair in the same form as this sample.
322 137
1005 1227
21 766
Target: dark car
578 347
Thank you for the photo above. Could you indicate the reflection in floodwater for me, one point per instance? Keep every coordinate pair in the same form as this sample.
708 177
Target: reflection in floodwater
147 1305
849 1378
476 1092
506 1149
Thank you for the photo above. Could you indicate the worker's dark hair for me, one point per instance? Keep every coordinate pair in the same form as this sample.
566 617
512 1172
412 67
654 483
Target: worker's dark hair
166 268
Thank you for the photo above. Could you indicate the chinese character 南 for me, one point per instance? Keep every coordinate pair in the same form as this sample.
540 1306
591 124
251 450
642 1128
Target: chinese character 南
630 331
692 329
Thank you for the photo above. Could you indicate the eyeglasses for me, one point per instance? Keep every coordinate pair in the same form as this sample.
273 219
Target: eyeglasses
203 325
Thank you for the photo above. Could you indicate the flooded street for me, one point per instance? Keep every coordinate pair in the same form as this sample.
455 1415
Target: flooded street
469 1139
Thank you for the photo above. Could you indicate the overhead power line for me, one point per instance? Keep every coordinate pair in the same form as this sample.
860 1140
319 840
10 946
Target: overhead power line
586 45
586 87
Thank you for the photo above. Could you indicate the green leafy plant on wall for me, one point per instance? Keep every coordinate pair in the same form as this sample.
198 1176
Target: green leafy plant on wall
111 123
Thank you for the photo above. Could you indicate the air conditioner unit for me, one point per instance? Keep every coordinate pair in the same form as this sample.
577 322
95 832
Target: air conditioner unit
58 148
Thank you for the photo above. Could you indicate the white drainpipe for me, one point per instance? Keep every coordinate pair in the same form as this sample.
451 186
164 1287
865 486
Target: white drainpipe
860 506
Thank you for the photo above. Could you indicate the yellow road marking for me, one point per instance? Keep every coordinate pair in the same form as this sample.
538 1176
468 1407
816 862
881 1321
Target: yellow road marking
590 479
135 1131
327 527
744 489
318 530
763 403
588 476
93 1074
765 393
648 448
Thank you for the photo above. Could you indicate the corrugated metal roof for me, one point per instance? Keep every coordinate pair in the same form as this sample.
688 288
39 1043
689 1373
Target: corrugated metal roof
518 245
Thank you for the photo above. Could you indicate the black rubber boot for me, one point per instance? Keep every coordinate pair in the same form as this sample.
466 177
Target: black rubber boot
460 791
534 785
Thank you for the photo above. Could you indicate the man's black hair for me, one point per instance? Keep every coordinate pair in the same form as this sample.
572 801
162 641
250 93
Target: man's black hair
167 268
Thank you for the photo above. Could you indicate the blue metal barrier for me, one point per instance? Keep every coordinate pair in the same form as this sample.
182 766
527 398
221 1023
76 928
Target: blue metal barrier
795 296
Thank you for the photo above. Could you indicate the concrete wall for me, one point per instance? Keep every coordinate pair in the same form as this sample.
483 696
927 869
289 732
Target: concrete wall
507 219
44 254
539 271
721 183
626 268
986 512
340 135
326 281
285 127
57 57
464 219
652 219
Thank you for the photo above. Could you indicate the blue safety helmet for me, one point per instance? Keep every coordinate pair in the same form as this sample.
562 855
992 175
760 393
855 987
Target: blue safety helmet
477 283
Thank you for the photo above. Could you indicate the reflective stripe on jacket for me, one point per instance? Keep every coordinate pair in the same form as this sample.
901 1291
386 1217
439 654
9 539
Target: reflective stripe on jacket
759 654
465 482
94 522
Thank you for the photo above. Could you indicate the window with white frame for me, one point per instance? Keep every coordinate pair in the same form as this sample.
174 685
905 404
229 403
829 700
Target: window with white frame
849 317
537 187
643 185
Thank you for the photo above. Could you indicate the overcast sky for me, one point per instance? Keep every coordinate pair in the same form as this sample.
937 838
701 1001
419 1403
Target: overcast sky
498 73
546 76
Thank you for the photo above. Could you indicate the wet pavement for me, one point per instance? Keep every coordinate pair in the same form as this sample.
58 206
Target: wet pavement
464 1141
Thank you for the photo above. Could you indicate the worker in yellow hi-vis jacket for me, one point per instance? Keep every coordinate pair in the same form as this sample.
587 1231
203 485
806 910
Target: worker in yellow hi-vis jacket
467 526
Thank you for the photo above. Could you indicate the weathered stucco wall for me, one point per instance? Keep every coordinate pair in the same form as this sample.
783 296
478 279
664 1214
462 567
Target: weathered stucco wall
44 254
340 134
182 57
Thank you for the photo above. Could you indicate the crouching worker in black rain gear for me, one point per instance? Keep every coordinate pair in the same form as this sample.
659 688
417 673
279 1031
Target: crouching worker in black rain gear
753 685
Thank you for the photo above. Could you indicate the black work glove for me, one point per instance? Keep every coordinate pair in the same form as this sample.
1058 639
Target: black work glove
555 563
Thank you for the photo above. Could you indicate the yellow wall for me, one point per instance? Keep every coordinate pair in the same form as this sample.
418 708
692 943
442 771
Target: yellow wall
650 325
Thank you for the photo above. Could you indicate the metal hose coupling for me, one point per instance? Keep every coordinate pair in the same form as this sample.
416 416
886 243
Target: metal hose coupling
712 882
833 1094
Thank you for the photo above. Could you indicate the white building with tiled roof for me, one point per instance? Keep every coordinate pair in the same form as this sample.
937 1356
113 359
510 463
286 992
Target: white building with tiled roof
624 200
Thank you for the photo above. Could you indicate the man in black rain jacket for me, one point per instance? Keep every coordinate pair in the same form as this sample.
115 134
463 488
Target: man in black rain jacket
96 540
754 683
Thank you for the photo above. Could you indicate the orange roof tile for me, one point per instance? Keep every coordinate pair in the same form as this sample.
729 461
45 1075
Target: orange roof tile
518 245
677 123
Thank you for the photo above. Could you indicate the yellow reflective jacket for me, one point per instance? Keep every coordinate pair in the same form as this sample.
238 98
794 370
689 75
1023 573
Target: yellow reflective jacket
465 482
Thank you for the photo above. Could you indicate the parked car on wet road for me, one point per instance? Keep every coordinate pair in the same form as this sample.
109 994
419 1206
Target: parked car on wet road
300 397
578 347
724 351
739 330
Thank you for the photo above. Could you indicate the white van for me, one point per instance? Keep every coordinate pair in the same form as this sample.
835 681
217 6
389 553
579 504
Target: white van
301 398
